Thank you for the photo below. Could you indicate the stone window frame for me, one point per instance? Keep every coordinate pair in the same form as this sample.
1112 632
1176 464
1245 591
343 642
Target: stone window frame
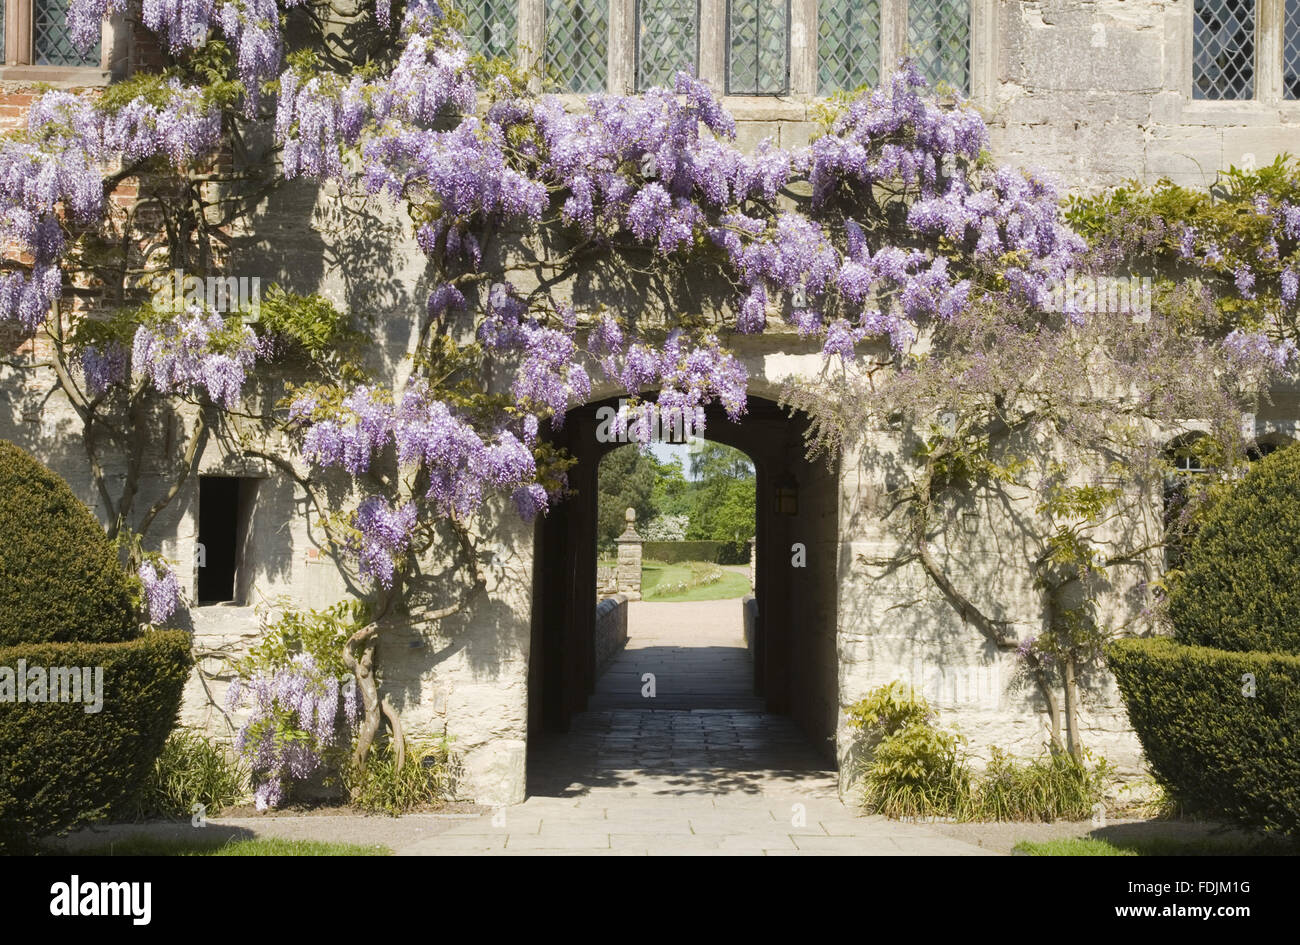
1270 18
18 66
712 40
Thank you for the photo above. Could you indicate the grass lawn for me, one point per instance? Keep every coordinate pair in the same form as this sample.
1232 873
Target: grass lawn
656 574
1232 845
221 846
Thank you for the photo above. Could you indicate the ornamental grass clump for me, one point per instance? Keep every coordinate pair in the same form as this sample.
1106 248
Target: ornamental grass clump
913 769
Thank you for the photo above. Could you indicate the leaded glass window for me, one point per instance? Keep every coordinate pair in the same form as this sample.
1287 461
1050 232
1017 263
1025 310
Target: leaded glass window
1291 51
577 44
938 35
1223 49
758 47
491 26
667 40
848 44
51 44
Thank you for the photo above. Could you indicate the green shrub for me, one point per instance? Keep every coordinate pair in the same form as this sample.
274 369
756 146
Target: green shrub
919 771
61 766
1239 588
704 574
59 575
912 768
1051 787
191 770
1221 730
887 710
425 780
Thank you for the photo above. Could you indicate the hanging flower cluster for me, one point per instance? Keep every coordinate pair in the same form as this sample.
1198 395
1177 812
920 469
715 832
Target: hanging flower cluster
299 711
51 178
197 350
162 590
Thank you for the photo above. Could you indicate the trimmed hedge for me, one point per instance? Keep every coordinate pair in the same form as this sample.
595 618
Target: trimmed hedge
59 576
61 766
1217 750
1240 586
675 552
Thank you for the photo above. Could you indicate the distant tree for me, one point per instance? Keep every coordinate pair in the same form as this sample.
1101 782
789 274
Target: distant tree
712 461
672 491
722 507
626 480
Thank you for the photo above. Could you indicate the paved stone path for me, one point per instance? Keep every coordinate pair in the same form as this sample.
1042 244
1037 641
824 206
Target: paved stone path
699 769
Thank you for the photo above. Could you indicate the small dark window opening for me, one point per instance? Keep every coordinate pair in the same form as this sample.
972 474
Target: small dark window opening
225 507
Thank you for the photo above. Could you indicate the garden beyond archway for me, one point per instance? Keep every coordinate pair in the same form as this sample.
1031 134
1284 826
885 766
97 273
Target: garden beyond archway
795 662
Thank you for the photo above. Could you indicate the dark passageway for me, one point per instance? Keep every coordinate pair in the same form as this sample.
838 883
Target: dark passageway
703 732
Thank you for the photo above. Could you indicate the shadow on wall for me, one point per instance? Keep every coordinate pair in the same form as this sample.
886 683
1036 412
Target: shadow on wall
987 541
489 630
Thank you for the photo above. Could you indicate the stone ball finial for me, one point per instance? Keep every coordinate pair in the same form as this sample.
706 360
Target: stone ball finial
630 515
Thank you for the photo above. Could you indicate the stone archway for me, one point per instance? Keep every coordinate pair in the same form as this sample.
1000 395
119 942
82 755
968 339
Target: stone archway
795 654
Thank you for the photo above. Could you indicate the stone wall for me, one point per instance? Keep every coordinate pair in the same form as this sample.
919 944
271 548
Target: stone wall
611 629
1096 91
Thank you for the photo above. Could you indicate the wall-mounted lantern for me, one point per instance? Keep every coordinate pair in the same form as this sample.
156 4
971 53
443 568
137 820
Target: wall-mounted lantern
787 495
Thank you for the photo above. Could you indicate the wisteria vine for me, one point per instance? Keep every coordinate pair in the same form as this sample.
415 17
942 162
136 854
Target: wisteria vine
659 171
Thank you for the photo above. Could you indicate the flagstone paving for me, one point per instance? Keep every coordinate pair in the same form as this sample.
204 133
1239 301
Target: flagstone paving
699 769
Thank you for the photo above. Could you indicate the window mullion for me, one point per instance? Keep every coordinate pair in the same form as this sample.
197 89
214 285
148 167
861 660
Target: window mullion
622 46
532 39
1268 51
803 47
18 32
713 42
893 35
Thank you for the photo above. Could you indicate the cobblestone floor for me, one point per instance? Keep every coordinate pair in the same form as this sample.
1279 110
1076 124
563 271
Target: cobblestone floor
700 769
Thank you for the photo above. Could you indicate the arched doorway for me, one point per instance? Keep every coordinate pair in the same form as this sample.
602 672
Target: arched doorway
795 665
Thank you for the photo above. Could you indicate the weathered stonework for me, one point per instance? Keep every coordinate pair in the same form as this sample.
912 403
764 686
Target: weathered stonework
1095 91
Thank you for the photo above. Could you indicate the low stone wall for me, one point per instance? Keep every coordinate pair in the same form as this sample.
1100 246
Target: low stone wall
749 604
611 629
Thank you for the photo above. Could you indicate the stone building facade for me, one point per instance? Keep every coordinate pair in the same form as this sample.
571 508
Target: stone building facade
1095 91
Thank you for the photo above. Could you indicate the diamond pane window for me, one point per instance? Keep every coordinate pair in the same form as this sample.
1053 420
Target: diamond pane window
938 35
667 40
848 44
491 26
51 44
1291 51
758 47
1223 49
577 41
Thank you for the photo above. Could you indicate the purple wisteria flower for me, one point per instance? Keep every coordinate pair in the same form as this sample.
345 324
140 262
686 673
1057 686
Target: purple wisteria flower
1254 349
104 366
195 350
298 710
385 534
162 590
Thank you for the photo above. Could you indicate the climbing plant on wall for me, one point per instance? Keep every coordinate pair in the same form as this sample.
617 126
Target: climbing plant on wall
923 273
